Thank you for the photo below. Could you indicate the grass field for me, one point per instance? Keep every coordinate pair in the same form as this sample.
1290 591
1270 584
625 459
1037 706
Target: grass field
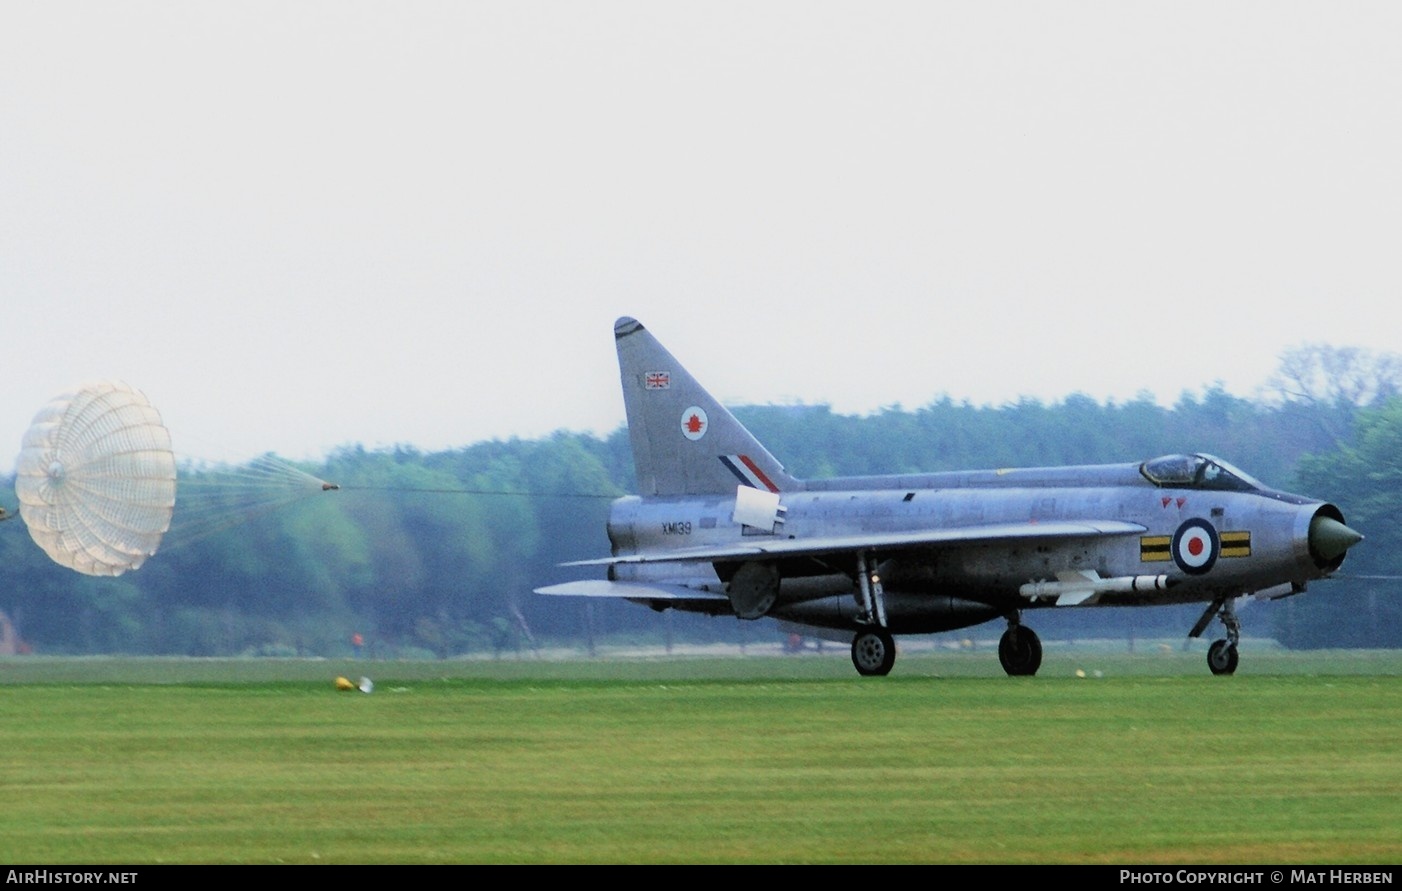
1146 759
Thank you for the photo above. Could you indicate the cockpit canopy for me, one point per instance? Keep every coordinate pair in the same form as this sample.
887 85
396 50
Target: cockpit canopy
1197 472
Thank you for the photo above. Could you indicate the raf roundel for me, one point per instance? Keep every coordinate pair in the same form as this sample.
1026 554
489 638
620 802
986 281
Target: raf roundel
694 423
1196 546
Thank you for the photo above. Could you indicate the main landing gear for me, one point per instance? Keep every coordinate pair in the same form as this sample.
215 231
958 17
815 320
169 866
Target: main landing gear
873 649
1222 655
873 652
1019 649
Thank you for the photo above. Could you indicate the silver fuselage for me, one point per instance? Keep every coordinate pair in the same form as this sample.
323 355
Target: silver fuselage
1262 540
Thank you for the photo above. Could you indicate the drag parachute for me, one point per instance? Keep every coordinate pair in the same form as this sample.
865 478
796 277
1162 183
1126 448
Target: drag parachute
96 479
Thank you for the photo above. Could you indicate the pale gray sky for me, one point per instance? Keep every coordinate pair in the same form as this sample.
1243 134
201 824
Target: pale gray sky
298 225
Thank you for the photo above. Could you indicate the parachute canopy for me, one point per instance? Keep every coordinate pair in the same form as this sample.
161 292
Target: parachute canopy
96 479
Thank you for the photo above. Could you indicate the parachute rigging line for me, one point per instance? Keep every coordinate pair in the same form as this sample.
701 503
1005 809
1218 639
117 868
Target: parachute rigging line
455 490
214 498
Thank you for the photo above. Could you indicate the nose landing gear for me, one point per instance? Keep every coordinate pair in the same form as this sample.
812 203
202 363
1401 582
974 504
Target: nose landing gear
1222 655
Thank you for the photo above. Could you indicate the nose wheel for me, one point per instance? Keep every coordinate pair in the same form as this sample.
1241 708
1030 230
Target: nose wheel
1222 655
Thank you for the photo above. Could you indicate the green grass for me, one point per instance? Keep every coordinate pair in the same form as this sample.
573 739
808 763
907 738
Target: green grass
761 759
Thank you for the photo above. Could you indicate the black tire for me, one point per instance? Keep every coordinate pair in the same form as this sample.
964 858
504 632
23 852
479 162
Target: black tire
1020 651
1222 657
873 653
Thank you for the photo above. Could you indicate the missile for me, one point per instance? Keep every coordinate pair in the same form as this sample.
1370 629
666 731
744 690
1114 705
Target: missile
1072 588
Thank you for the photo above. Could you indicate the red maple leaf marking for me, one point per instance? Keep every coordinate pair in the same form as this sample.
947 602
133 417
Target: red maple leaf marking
694 424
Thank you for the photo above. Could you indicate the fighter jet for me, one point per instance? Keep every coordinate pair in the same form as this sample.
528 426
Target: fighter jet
718 527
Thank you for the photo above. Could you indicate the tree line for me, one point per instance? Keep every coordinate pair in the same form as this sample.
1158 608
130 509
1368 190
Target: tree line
436 554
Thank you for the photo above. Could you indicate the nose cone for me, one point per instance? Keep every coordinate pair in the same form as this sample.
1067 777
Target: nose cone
1330 540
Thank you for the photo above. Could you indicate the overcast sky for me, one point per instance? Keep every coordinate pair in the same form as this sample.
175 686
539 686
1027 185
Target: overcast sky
300 225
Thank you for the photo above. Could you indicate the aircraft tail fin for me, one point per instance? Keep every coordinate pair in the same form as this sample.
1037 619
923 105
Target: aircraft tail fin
684 441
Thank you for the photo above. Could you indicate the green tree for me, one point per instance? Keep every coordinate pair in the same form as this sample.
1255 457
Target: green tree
1363 606
1333 382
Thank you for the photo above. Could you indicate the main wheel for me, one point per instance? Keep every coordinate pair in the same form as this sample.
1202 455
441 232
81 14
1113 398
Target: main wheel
873 652
1222 657
1020 651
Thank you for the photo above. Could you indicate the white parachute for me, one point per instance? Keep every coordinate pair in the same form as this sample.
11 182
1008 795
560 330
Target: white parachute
96 479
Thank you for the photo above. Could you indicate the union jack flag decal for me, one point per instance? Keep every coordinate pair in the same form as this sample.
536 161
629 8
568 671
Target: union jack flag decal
657 380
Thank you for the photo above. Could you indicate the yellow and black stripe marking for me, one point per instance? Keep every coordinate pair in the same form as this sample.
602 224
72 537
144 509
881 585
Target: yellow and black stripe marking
1158 548
1236 544
1155 548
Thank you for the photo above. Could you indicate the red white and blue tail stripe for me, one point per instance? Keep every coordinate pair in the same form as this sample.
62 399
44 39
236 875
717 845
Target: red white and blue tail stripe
748 472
